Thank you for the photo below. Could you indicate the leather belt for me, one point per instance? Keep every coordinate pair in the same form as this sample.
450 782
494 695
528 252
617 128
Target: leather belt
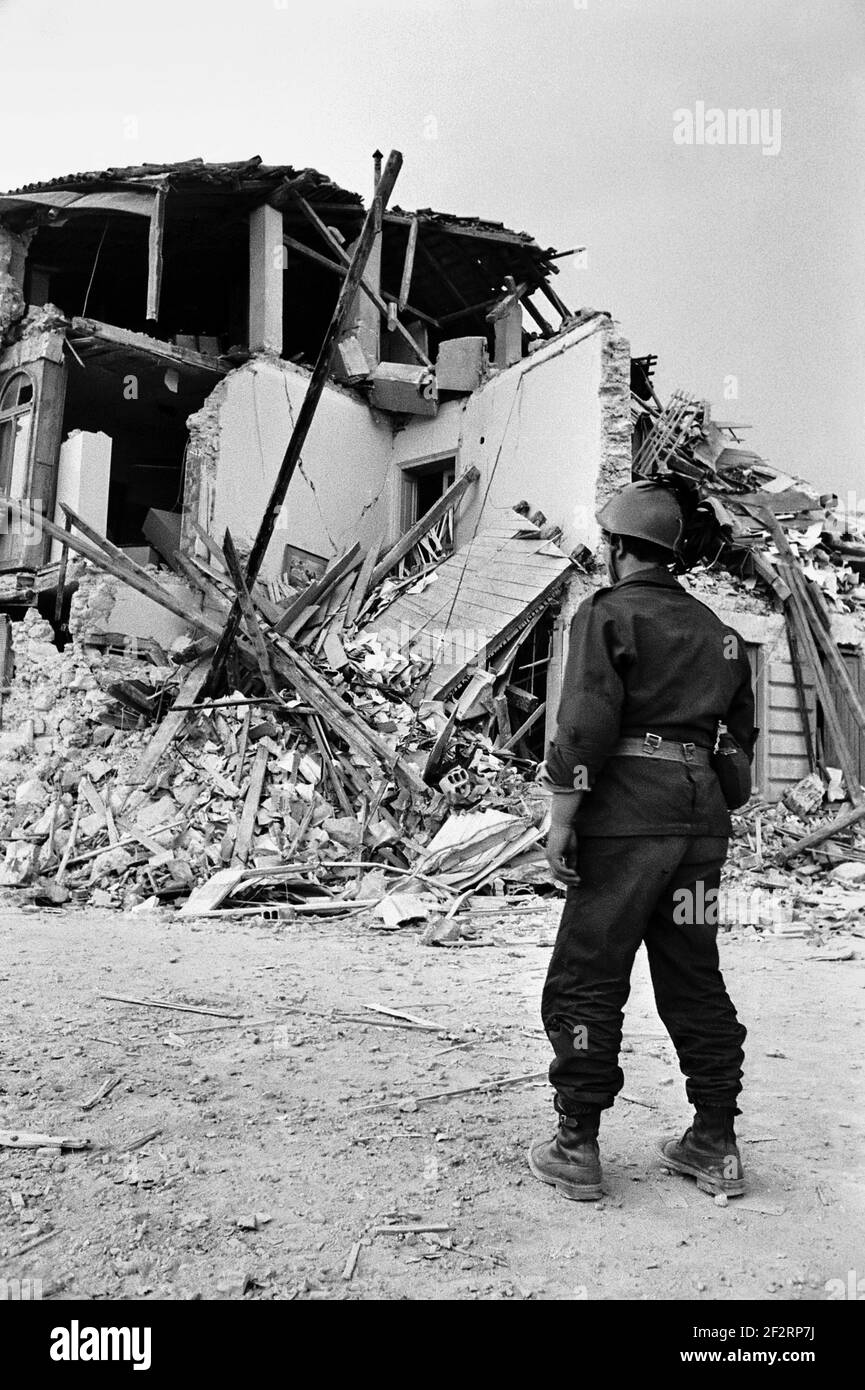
653 746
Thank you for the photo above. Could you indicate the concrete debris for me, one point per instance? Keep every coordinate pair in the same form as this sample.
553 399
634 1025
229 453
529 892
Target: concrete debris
816 891
806 797
338 791
264 795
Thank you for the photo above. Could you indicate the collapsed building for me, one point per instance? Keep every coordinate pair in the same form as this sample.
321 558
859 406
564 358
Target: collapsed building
160 326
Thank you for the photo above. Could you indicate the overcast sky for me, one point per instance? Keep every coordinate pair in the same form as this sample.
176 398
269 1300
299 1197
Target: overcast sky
743 270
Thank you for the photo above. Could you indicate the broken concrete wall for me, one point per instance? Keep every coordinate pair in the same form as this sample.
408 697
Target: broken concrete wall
237 441
13 256
103 604
554 429
616 426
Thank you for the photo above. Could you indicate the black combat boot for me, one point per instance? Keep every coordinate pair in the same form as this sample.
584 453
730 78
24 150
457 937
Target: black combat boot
707 1151
569 1161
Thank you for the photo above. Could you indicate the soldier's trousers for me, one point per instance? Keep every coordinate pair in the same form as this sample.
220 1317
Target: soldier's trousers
659 891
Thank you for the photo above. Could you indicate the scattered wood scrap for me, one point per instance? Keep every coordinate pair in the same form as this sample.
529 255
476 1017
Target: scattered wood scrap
27 1139
166 1004
104 1090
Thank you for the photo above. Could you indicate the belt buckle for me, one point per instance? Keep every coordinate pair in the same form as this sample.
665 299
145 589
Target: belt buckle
651 743
690 751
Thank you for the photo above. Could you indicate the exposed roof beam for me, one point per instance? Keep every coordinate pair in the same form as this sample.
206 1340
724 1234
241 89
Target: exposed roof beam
371 294
477 232
408 264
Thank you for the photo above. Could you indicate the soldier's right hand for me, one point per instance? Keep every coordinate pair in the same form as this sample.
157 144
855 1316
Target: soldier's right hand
561 854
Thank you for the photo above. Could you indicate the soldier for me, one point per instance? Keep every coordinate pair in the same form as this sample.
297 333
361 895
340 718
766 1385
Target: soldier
639 833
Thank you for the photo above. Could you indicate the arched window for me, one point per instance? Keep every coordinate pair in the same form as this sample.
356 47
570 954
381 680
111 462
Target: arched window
16 420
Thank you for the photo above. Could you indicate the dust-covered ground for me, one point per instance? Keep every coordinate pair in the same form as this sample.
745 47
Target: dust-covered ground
288 1136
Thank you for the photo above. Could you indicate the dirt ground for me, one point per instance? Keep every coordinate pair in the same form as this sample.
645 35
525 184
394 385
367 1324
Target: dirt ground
278 1150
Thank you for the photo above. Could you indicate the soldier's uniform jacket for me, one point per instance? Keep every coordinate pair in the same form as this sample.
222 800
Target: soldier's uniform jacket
647 657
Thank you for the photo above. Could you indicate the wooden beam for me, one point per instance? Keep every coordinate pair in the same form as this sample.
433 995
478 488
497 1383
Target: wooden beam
215 580
447 500
329 765
481 308
832 654
545 327
320 374
811 632
61 577
408 265
191 569
303 250
312 216
842 822
523 729
433 765
250 617
506 302
359 592
212 547
473 233
246 827
109 335
170 726
262 597
154 254
340 716
824 692
127 571
104 544
557 302
411 311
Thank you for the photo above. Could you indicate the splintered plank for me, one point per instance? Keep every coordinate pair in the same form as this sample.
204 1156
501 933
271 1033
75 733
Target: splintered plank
250 619
330 764
359 592
524 728
250 807
448 499
26 1139
191 689
210 895
207 541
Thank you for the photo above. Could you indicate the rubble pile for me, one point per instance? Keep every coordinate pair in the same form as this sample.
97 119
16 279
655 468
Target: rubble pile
249 785
820 889
734 500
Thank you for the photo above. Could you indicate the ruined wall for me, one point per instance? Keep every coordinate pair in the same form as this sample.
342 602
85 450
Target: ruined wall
616 425
553 429
237 441
13 253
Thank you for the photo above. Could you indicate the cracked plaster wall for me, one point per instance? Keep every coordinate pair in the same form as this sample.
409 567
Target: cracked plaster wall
553 429
237 440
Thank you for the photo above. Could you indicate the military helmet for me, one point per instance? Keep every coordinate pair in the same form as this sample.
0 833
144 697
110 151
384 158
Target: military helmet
644 509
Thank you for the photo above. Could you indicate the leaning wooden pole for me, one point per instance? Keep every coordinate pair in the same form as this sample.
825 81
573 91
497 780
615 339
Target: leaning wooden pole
320 374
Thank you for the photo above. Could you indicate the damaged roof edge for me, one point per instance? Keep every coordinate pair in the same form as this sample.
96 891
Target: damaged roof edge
244 176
